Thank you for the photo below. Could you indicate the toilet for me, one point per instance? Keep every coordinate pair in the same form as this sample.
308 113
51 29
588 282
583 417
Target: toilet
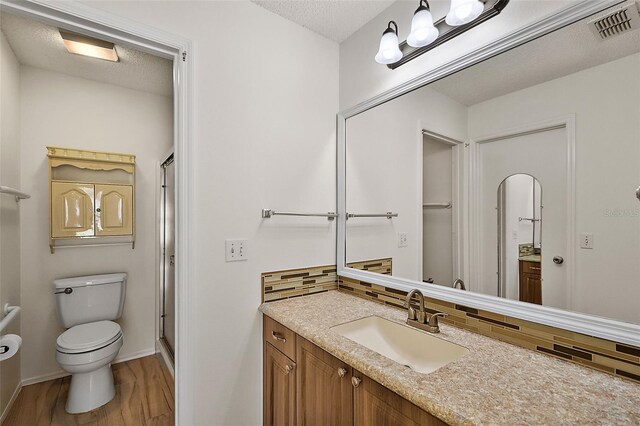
87 307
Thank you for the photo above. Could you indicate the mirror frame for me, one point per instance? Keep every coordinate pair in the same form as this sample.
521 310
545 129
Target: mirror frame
605 328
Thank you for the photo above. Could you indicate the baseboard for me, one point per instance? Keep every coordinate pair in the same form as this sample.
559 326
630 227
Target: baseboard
61 373
44 378
6 410
135 355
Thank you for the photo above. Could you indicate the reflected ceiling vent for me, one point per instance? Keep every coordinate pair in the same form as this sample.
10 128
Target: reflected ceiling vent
622 19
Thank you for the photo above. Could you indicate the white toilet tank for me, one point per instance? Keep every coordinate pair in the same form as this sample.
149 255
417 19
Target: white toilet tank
91 298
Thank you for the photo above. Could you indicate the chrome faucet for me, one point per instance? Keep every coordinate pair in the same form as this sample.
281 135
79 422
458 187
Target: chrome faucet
411 313
459 282
420 318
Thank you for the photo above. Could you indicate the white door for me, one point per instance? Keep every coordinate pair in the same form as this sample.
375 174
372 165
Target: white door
542 155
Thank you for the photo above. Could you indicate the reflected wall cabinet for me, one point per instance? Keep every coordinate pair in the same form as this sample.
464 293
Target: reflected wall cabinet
91 198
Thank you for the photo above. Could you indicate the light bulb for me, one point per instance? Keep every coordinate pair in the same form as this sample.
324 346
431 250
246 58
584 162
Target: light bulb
422 30
389 51
464 11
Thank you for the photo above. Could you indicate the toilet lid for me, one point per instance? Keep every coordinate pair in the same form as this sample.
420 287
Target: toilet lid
88 337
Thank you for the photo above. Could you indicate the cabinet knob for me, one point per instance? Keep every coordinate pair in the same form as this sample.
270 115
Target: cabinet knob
342 372
98 209
288 368
355 381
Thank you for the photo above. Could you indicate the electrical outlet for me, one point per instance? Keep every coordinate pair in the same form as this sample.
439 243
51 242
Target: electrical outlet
236 250
402 239
586 241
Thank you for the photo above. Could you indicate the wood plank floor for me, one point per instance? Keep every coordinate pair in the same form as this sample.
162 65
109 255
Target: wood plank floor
144 396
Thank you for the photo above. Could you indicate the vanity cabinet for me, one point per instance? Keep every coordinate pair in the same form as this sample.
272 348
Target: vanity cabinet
305 385
325 392
279 388
376 405
530 282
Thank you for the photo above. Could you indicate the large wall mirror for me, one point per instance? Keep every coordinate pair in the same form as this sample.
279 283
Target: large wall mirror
510 184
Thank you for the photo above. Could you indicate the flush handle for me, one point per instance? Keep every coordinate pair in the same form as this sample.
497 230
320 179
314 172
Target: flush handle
67 290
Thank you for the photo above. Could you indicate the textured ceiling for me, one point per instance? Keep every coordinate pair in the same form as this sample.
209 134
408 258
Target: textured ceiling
334 19
563 52
40 45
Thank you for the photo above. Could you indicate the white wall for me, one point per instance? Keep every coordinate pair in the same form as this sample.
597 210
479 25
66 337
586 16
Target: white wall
9 209
604 100
60 110
361 77
265 99
384 147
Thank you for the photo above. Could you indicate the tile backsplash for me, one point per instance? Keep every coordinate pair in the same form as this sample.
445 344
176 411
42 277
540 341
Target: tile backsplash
317 279
604 355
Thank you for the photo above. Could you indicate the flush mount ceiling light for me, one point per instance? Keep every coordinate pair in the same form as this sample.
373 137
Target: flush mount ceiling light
426 35
464 11
422 30
389 52
89 46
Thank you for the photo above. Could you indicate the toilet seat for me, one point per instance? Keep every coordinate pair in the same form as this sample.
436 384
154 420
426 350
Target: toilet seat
88 337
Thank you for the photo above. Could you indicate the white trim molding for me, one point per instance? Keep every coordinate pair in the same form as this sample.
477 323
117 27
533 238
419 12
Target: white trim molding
581 323
84 19
13 398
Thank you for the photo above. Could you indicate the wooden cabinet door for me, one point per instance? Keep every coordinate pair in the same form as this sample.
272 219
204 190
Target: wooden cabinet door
531 288
114 210
279 388
325 393
375 405
71 210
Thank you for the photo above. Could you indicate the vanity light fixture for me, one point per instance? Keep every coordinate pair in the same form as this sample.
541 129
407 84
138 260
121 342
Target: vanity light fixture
88 46
389 52
464 11
426 35
422 30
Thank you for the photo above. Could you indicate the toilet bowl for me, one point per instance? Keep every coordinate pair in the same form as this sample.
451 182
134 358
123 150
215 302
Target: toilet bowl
86 351
87 307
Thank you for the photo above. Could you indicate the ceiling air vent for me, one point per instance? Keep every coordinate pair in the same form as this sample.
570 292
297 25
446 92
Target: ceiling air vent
622 19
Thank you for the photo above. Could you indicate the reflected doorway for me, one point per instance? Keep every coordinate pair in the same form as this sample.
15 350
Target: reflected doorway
520 238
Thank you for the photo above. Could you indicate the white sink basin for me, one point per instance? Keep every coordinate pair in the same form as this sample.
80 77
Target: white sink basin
406 345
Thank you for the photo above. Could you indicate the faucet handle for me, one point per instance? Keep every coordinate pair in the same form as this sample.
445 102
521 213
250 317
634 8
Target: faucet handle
433 318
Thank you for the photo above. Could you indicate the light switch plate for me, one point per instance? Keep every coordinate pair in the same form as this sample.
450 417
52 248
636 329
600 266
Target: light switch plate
402 239
586 241
236 250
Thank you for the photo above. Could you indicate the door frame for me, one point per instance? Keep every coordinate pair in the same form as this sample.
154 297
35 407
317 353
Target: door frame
94 22
566 122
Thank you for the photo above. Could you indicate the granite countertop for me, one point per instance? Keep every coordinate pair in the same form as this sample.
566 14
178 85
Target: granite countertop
531 258
495 383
